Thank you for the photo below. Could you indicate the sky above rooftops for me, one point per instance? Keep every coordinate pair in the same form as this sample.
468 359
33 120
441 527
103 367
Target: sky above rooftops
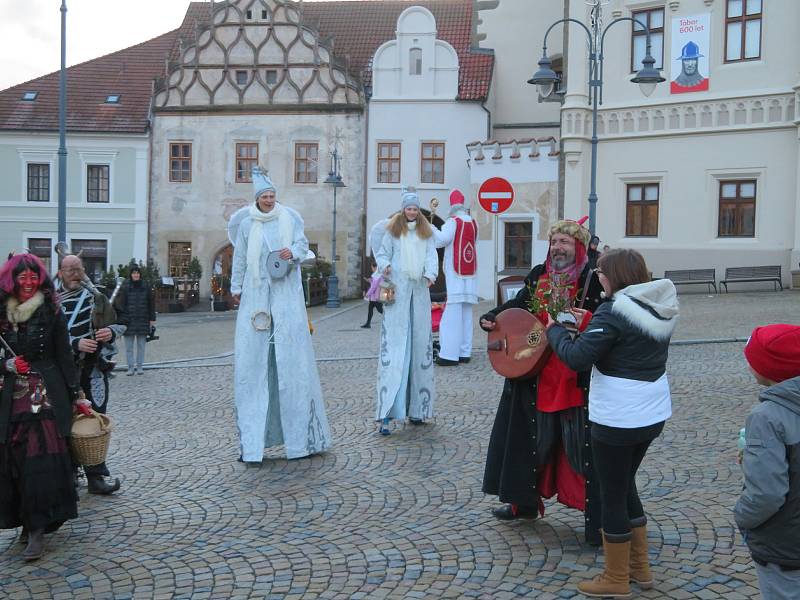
30 32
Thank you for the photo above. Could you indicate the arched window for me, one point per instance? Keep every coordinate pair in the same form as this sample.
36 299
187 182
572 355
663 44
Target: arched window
415 61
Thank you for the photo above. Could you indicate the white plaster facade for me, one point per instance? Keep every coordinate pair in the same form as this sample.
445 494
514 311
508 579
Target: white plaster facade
257 75
745 127
411 108
121 222
531 167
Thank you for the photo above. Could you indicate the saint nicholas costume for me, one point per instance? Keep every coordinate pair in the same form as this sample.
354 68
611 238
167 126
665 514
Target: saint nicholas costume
277 389
540 442
458 237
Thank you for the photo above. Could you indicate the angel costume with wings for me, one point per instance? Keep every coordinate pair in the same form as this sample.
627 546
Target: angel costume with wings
277 390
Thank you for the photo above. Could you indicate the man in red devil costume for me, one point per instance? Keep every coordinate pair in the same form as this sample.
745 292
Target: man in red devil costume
539 444
458 237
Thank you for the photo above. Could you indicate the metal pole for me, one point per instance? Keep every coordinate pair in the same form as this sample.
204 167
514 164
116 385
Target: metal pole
495 235
62 131
595 84
333 280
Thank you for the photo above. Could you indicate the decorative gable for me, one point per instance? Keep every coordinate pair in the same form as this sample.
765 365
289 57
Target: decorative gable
257 53
415 65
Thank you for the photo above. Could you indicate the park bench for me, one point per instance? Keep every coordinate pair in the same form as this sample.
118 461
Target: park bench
691 276
749 274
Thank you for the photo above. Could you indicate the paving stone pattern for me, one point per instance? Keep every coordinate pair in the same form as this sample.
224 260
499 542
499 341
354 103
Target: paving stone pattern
396 517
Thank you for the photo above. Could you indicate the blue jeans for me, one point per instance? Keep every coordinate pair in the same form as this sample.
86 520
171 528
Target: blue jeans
138 341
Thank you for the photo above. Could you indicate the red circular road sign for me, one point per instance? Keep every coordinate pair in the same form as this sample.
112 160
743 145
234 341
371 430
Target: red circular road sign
496 195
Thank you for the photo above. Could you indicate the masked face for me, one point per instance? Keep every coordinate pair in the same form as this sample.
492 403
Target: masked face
72 272
266 201
27 284
562 250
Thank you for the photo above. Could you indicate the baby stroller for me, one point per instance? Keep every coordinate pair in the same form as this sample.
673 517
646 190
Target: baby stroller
438 302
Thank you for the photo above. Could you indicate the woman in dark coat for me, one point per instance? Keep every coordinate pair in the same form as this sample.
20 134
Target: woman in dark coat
39 388
136 310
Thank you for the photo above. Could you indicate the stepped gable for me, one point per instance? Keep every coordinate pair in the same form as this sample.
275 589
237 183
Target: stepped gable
129 73
358 28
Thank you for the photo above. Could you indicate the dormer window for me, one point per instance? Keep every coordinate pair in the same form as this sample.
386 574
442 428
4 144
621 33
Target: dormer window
113 99
271 76
249 15
241 77
264 14
30 96
415 61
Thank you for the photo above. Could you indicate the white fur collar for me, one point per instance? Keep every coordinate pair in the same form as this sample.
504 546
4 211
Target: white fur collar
20 313
660 297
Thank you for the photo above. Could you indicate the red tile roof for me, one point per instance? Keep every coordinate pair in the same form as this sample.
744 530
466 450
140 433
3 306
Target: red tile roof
128 72
357 28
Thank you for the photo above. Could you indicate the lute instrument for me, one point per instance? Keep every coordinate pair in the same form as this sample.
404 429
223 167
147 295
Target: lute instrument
517 345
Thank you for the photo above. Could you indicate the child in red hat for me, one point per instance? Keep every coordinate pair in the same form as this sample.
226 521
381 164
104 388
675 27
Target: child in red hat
768 511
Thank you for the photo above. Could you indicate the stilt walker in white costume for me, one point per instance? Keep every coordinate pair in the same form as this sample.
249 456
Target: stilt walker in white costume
458 237
277 390
407 257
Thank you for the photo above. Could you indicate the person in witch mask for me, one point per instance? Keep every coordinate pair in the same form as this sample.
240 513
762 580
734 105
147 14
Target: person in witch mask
277 389
38 389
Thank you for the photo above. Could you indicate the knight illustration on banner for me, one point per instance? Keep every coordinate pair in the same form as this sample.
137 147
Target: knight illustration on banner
458 236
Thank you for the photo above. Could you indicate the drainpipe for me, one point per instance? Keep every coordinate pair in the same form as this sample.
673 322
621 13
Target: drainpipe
367 149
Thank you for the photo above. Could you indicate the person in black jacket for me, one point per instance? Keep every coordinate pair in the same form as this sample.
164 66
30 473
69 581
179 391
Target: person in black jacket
135 306
625 345
538 446
38 387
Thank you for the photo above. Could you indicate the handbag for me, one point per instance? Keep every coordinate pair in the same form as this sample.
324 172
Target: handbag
277 267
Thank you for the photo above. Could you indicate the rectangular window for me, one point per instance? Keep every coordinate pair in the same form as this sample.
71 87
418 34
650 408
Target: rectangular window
43 248
97 183
246 159
306 158
389 162
271 75
518 245
179 256
654 19
95 256
180 162
432 170
415 61
642 210
241 77
737 208
743 30
38 182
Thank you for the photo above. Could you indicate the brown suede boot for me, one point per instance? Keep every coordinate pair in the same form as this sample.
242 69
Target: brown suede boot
640 565
614 581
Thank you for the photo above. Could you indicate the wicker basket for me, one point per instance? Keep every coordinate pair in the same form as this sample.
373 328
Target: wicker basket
90 438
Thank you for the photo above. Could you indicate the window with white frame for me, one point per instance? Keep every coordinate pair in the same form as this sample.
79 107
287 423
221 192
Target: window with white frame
95 256
97 183
42 248
38 182
518 244
415 61
654 20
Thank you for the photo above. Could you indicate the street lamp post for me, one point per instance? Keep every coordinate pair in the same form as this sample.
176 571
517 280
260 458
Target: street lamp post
62 130
546 79
334 179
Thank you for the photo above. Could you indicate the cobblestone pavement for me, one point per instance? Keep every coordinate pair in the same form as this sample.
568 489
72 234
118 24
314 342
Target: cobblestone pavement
396 517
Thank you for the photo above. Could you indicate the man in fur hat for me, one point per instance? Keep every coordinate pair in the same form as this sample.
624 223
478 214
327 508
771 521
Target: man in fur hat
277 390
458 237
539 443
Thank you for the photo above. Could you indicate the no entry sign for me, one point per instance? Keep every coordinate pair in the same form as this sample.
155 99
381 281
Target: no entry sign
496 195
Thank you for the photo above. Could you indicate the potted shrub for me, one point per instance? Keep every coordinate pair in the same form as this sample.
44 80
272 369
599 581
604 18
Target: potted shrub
315 281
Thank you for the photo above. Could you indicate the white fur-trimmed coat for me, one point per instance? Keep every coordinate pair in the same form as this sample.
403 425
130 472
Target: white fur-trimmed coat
628 336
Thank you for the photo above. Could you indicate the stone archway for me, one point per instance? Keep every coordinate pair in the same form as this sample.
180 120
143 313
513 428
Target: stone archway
221 267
